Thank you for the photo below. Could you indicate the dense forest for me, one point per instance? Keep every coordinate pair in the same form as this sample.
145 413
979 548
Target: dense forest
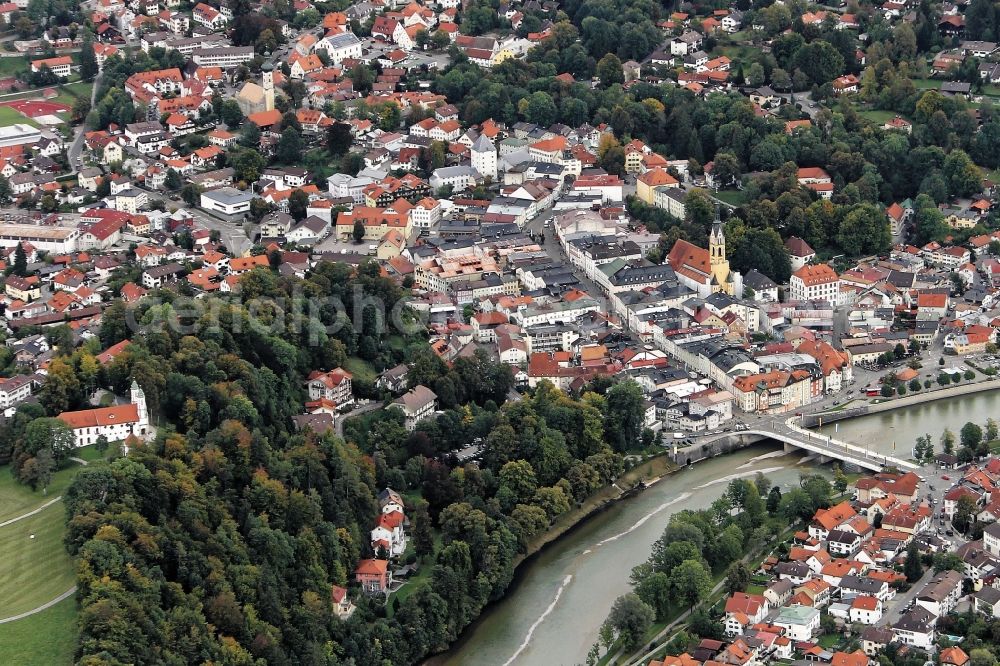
220 540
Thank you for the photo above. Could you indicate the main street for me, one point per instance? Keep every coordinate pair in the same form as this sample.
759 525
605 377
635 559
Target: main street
76 148
539 227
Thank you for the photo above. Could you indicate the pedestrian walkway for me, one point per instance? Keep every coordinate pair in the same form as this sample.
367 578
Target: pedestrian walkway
31 513
48 604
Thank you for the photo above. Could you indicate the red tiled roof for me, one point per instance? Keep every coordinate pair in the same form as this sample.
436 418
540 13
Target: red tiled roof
90 418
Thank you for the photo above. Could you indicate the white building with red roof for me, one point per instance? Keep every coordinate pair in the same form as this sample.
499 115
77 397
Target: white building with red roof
812 283
334 385
743 609
865 609
114 423
388 536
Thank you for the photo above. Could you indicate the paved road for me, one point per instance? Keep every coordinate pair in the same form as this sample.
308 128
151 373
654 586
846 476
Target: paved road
339 425
666 631
77 147
897 605
803 99
230 233
538 226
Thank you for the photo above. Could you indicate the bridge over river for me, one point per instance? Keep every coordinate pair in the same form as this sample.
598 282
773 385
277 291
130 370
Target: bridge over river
793 436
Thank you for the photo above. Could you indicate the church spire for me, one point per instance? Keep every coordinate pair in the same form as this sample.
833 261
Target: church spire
717 240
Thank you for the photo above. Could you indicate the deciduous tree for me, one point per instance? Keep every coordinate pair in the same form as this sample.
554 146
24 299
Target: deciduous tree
691 582
629 618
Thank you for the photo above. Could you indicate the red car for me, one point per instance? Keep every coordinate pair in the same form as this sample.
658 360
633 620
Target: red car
946 477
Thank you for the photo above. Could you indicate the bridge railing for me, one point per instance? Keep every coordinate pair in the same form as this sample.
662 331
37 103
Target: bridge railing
856 451
824 446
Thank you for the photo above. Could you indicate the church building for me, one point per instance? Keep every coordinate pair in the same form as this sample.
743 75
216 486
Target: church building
115 423
706 271
253 98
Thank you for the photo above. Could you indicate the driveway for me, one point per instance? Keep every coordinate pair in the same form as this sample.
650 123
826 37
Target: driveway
339 425
803 99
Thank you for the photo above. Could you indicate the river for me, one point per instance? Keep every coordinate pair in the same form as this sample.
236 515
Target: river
895 432
553 614
553 611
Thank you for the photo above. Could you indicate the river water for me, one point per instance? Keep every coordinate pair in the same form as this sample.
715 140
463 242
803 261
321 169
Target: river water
553 612
895 432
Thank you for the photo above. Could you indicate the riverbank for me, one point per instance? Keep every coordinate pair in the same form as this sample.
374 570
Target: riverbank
565 587
935 394
845 412
649 472
893 428
652 469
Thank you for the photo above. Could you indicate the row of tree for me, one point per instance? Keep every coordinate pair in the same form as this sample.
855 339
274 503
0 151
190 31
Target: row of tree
697 545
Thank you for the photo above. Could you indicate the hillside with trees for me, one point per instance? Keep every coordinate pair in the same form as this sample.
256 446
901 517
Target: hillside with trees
220 540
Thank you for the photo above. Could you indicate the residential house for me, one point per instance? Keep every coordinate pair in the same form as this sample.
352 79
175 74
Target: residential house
942 593
987 601
800 622
799 252
954 656
393 379
743 609
916 628
825 520
418 403
334 385
342 606
373 576
388 536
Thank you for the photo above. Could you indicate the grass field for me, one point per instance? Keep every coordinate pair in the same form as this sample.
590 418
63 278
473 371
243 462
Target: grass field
13 66
45 639
413 584
731 197
361 369
16 499
877 116
35 570
71 92
9 116
739 53
79 89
